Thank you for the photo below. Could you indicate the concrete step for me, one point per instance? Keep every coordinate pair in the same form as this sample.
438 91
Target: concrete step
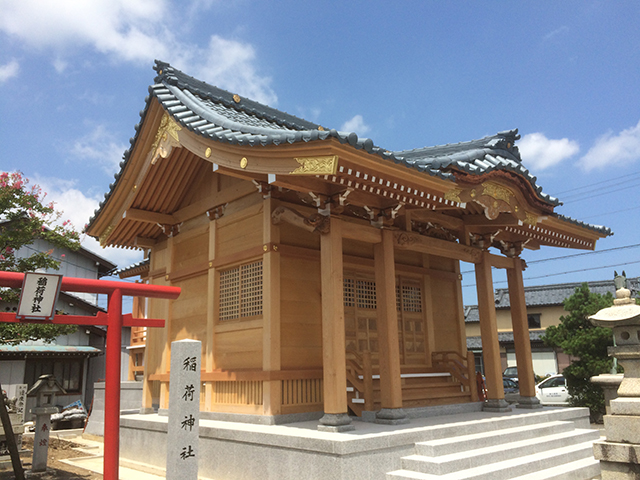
479 455
587 468
446 446
510 421
508 469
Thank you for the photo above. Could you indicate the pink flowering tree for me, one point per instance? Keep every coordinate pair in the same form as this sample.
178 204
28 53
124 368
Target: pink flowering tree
24 217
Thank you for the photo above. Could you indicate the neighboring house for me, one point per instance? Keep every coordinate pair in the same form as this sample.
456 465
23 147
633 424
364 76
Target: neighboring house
544 308
77 360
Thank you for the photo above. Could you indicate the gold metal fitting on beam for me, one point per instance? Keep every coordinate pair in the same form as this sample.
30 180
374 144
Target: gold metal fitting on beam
244 162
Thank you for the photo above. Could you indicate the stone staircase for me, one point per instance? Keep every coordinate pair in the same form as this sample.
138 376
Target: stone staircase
516 447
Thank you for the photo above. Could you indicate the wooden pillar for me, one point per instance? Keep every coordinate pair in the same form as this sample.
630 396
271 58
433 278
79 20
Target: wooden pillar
520 325
430 330
209 362
489 335
155 343
462 331
390 380
334 359
166 354
271 359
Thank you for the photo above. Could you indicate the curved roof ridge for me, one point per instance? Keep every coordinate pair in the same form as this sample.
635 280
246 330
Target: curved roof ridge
173 76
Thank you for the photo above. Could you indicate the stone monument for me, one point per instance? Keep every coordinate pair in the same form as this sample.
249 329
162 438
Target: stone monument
184 410
619 455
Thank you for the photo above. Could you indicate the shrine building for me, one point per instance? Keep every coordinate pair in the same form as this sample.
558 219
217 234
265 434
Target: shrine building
320 271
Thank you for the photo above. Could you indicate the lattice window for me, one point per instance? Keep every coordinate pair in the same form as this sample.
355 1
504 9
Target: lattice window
251 289
241 291
366 294
229 304
349 292
411 298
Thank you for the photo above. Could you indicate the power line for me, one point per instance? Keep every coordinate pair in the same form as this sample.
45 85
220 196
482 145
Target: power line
599 183
625 247
611 213
566 273
588 195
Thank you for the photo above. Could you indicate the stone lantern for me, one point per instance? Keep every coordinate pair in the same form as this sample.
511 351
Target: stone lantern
619 455
45 389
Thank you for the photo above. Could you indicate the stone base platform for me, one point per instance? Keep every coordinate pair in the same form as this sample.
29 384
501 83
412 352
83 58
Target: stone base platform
232 450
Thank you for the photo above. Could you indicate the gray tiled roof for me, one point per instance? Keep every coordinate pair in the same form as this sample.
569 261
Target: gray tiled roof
549 295
135 267
213 113
475 343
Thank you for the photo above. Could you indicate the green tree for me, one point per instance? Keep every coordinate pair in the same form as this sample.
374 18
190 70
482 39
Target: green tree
576 336
24 217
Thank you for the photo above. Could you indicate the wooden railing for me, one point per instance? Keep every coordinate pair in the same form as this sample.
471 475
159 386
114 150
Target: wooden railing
360 375
454 363
244 388
138 336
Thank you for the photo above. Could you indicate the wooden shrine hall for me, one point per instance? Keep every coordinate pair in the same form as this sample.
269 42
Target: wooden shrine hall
321 272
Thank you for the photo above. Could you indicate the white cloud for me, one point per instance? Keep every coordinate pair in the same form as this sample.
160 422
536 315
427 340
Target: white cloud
100 146
355 124
79 208
539 152
227 64
9 70
558 31
133 31
610 149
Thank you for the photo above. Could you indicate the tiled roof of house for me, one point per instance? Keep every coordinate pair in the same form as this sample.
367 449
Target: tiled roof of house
475 343
222 116
139 268
549 295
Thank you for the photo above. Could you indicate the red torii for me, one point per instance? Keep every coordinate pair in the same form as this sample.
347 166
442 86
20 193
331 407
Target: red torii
114 320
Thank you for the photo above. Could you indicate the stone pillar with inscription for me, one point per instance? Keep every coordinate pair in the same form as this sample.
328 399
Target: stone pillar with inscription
184 410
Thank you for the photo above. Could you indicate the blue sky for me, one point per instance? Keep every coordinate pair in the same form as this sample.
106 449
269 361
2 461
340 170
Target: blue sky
74 75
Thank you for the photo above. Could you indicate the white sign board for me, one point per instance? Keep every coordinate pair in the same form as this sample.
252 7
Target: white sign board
39 294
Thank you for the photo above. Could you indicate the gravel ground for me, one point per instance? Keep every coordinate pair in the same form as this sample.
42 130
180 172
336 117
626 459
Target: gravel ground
59 449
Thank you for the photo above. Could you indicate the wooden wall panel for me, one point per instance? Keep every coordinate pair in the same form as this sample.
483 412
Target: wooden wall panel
296 236
191 250
159 256
189 311
239 349
442 263
445 316
357 249
406 257
234 237
301 313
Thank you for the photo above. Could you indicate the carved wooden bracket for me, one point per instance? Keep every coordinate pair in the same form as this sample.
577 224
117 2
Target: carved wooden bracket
494 198
510 249
314 223
166 138
216 212
170 230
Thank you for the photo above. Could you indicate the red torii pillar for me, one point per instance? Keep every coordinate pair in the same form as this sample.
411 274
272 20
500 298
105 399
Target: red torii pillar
114 320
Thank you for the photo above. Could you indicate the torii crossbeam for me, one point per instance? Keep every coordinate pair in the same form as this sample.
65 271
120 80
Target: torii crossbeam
114 320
